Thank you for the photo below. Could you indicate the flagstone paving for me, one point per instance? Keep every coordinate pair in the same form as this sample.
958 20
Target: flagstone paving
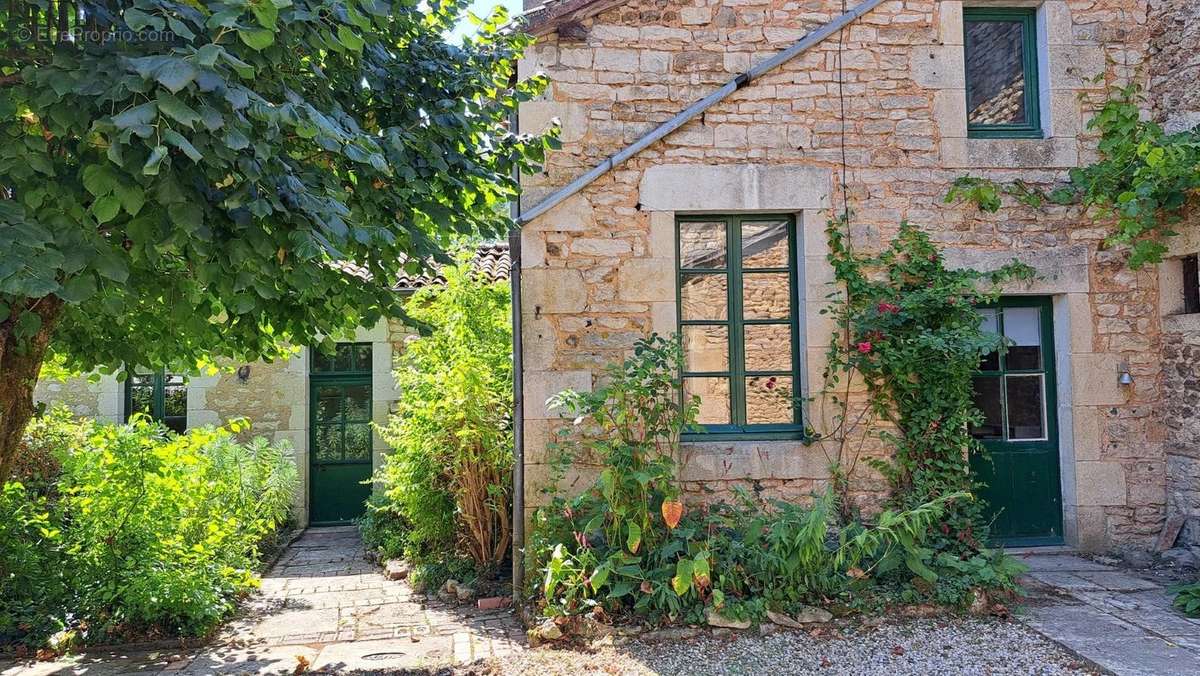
1121 622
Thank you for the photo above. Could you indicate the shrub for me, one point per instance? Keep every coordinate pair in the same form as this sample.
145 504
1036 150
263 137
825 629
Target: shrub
1187 599
145 532
625 545
448 478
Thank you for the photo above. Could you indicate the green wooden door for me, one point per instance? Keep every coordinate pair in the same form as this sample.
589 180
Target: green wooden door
1015 389
340 434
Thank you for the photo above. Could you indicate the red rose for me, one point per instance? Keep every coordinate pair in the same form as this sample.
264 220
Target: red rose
864 347
888 307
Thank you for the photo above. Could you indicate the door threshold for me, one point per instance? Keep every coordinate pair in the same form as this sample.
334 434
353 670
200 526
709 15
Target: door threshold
1018 550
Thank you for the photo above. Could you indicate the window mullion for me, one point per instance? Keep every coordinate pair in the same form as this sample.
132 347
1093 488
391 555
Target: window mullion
159 406
737 348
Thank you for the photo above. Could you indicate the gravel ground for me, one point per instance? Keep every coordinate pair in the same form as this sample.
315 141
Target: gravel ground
896 648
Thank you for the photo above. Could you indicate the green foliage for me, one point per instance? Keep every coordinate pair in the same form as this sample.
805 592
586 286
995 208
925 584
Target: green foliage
448 477
384 529
1143 180
255 178
916 338
1187 599
613 548
143 533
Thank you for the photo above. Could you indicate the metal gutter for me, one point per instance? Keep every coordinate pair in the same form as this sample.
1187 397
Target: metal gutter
801 46
518 415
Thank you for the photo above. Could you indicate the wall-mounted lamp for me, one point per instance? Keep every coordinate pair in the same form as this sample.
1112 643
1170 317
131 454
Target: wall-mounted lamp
1123 375
243 373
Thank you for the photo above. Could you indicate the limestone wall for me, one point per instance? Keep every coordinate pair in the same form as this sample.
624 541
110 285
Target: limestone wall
1175 50
599 268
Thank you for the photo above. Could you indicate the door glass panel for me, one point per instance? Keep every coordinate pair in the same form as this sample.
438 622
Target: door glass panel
704 297
343 359
358 442
327 443
358 403
702 245
174 396
362 357
766 295
141 395
764 244
714 399
1022 325
991 324
768 347
995 72
770 400
1026 407
990 400
329 402
705 348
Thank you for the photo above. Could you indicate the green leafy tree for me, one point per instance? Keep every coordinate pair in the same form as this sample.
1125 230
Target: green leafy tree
183 180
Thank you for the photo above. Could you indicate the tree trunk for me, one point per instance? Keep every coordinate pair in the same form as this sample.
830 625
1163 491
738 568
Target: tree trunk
20 364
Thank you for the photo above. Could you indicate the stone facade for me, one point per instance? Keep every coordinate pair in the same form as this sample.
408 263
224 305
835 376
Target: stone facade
598 269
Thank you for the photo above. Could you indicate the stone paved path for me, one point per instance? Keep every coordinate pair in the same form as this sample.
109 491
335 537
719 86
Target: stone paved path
324 604
1119 621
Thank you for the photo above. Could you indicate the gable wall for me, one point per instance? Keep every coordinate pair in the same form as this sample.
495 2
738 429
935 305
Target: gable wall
598 269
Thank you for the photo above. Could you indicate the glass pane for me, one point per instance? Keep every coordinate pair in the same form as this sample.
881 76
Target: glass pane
358 442
321 361
1022 325
329 402
714 399
706 348
343 360
358 403
177 424
766 295
996 72
362 357
989 399
704 297
327 445
1026 407
990 324
768 347
770 400
702 245
174 396
141 398
764 244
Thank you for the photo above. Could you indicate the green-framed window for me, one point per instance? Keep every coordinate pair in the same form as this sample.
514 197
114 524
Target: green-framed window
738 318
1002 73
158 394
346 358
1013 386
341 405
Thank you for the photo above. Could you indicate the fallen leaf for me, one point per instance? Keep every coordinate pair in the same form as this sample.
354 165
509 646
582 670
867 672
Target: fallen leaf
301 664
898 650
825 663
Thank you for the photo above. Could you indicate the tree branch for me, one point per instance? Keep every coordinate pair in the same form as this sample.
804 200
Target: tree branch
10 80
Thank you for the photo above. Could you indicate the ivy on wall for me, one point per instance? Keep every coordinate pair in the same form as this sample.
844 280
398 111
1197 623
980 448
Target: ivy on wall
1143 180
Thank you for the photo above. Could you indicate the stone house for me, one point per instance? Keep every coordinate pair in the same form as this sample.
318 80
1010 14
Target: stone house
705 144
322 405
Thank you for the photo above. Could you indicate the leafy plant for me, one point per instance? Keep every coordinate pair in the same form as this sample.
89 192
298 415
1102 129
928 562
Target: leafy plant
1187 599
1143 180
916 338
448 477
144 532
235 177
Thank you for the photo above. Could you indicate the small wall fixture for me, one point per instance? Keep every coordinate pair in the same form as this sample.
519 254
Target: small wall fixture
243 373
1123 375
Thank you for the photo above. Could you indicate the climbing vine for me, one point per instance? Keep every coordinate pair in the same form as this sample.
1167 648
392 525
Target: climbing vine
1144 179
914 333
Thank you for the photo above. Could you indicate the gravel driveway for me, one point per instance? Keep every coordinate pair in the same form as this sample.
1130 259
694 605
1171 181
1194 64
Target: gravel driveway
918 647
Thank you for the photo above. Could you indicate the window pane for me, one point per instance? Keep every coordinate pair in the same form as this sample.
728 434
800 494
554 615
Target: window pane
766 295
329 403
141 397
768 347
1022 325
1026 409
989 399
990 324
764 244
706 348
328 443
704 297
174 396
714 399
177 424
702 245
343 360
358 403
321 361
362 357
770 400
358 442
996 72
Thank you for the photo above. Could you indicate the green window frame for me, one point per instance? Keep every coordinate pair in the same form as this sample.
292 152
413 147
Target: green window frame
735 272
346 359
158 394
1027 18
